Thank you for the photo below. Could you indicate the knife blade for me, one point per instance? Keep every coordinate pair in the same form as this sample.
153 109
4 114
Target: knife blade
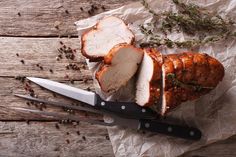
126 109
57 104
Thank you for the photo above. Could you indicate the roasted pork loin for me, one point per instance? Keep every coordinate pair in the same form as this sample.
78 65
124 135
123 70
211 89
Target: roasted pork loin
185 76
108 32
119 65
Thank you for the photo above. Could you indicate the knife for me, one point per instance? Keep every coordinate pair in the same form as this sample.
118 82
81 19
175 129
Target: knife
154 126
126 109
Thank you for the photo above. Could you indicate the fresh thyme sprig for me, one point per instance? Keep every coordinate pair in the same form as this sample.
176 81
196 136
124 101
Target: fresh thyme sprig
204 27
192 19
146 5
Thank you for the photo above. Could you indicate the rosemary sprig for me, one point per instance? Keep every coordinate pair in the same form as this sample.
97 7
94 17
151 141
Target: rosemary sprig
194 86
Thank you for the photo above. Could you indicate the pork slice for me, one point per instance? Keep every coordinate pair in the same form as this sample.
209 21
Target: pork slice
120 64
148 88
107 33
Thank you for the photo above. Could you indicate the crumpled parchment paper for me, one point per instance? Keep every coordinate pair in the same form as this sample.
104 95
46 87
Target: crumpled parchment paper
214 114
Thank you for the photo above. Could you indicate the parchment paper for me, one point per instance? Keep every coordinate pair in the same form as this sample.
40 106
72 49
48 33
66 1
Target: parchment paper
214 114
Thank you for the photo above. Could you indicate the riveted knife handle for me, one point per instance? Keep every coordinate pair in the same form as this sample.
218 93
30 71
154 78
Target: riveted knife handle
125 109
185 132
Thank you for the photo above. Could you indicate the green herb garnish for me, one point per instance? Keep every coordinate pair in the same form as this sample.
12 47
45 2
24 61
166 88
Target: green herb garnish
203 26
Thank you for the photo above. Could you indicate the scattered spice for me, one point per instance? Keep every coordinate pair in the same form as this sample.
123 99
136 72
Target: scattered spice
72 81
17 54
107 137
67 141
103 7
57 126
90 12
37 65
57 27
20 78
66 51
93 9
78 132
88 89
85 80
22 61
66 11
19 14
28 103
81 9
84 138
41 68
51 71
73 66
56 149
67 133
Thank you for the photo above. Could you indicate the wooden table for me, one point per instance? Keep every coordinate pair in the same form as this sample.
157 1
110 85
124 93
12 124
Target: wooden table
33 30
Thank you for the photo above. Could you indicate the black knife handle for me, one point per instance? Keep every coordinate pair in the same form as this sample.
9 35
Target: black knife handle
126 109
185 132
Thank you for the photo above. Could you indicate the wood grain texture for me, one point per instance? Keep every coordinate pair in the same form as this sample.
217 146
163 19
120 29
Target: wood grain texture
42 51
10 86
39 18
18 139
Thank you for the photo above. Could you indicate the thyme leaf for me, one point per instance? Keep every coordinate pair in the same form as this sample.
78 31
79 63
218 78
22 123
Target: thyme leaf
203 26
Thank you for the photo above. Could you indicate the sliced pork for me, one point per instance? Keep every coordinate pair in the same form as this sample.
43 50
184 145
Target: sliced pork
107 33
120 64
168 80
149 79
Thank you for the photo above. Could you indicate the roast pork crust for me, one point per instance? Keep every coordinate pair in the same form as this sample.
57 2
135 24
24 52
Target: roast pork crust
119 65
188 76
120 34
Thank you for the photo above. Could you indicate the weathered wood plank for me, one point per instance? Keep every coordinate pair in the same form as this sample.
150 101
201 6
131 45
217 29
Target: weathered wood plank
42 51
33 51
43 139
37 18
9 86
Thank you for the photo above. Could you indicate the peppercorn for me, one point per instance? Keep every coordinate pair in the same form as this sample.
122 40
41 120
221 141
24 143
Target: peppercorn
51 71
22 61
57 126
